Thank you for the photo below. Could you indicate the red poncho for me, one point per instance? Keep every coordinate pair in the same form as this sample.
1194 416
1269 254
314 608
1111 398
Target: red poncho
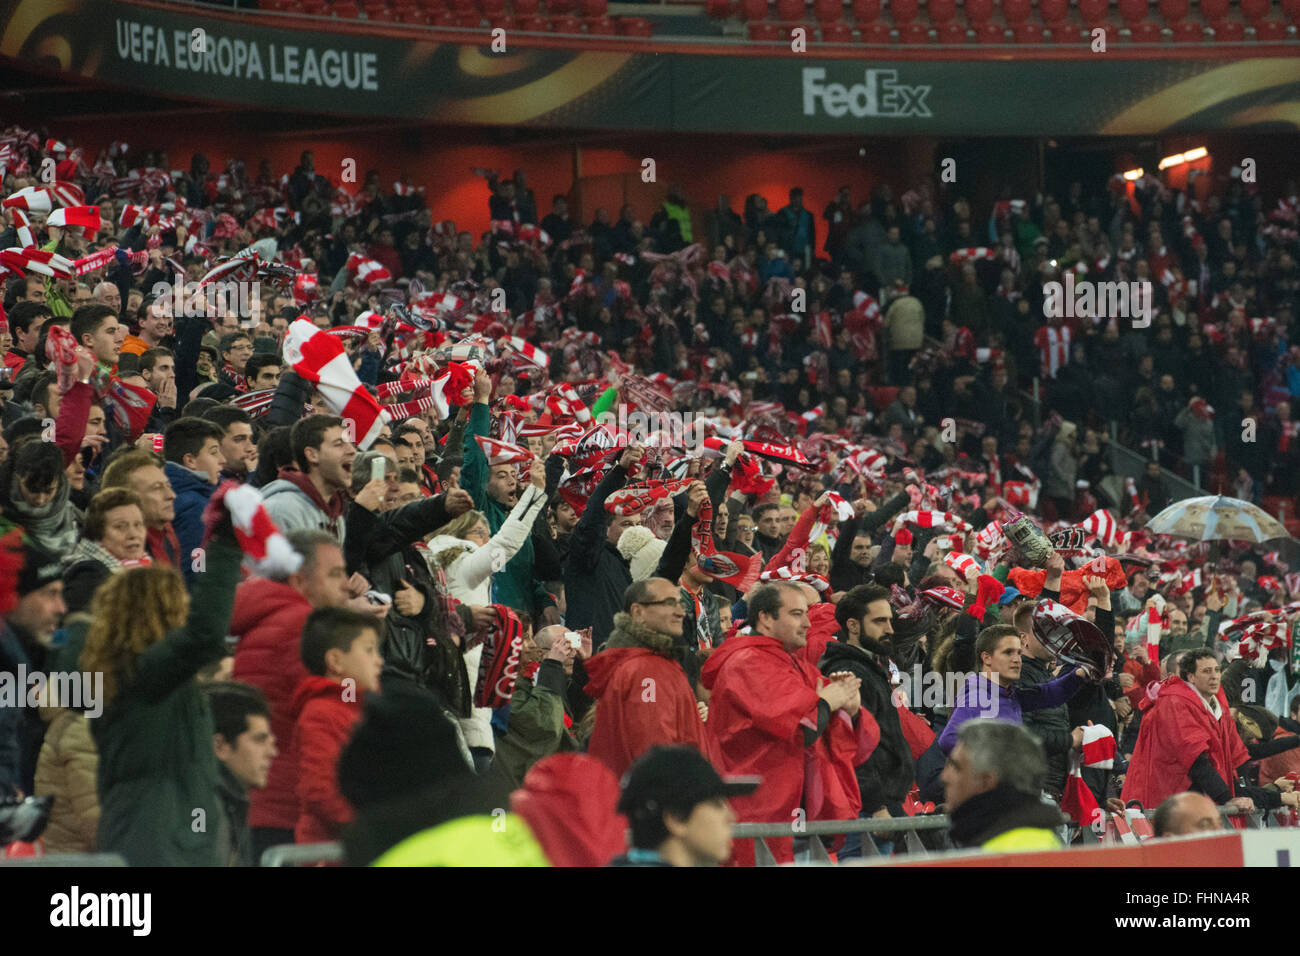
762 698
1177 728
1074 594
642 700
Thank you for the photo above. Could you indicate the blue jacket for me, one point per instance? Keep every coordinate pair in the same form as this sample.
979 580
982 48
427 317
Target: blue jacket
192 494
982 698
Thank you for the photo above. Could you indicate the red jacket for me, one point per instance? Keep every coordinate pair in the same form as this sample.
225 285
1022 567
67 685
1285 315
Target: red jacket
1279 765
642 699
323 724
268 620
14 361
1177 728
761 701
568 802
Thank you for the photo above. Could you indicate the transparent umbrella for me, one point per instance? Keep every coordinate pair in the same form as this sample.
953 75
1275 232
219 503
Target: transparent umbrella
1217 518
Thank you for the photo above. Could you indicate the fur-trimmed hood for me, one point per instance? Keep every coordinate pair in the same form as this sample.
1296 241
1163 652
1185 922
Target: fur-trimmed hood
628 633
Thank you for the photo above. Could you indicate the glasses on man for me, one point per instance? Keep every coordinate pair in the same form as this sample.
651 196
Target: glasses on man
666 602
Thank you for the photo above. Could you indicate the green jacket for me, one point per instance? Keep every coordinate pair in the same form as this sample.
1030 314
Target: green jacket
536 727
683 217
157 769
1023 840
60 306
513 585
498 840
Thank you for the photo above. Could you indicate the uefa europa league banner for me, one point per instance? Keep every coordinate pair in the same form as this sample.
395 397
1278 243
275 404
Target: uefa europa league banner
200 54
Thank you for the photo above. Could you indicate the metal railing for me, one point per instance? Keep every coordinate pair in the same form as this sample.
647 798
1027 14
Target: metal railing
302 854
66 859
909 827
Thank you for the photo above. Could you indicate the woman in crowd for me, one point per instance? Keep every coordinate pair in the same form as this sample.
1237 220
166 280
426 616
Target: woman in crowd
113 538
158 768
467 553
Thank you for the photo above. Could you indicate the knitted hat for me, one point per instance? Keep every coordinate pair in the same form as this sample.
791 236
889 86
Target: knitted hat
40 567
402 744
642 550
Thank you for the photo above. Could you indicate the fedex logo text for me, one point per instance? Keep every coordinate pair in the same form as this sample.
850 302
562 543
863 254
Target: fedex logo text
880 94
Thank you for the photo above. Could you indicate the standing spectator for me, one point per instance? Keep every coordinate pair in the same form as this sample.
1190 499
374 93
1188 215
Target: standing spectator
114 537
905 326
902 411
798 229
340 649
192 449
143 473
997 654
238 447
725 224
267 619
245 748
1196 422
993 780
770 713
313 495
596 575
24 641
157 770
557 224
1188 740
494 490
676 807
468 554
862 648
895 261
1060 483
36 494
839 221
642 647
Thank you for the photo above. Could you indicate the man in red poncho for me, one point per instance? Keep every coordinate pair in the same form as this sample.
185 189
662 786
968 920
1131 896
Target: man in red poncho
771 714
1188 740
642 694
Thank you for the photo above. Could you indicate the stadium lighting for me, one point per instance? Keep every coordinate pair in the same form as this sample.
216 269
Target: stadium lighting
1191 156
1135 174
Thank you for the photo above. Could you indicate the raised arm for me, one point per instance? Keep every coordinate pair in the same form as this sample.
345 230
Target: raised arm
182 653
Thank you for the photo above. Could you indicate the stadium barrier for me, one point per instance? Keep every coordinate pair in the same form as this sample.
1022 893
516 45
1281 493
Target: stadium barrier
302 854
909 827
66 859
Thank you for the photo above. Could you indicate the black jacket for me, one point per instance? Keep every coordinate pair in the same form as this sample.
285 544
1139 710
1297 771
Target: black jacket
234 806
1051 725
844 573
417 648
887 775
991 814
595 574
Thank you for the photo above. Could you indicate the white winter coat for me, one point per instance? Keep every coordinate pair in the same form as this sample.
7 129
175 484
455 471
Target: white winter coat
469 581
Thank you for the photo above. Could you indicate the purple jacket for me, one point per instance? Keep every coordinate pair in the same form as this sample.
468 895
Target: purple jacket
982 698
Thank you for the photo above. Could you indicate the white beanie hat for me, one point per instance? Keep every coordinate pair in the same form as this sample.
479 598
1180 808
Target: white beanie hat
642 550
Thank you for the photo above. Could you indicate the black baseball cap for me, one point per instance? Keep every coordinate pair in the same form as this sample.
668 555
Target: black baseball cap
676 779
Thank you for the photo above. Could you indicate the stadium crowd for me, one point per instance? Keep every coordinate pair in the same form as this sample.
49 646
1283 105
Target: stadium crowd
492 549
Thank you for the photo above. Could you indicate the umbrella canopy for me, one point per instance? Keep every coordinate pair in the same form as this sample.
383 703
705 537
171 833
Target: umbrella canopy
1217 518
